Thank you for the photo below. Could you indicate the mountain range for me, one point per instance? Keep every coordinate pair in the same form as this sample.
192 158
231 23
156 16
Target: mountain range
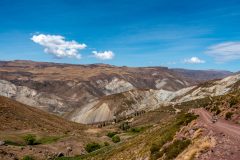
157 112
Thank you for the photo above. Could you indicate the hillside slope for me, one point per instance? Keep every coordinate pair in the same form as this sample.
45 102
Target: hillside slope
184 136
63 88
17 116
126 103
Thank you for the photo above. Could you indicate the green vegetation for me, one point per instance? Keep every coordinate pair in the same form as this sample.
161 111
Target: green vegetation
151 139
116 139
228 115
136 129
48 139
233 101
28 158
111 134
215 109
9 142
90 147
174 149
106 144
124 126
30 139
168 133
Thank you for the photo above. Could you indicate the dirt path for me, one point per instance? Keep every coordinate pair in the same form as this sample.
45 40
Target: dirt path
226 134
221 125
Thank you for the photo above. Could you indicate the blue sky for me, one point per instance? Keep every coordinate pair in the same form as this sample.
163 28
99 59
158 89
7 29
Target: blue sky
179 34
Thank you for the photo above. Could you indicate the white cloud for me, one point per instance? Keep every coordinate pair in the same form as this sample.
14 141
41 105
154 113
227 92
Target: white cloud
194 60
226 51
58 46
103 55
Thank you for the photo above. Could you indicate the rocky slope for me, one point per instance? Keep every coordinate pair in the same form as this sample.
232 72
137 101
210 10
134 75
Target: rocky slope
41 100
123 104
80 92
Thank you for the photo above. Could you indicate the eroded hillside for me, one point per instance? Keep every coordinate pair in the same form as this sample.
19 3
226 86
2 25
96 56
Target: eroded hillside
73 86
126 103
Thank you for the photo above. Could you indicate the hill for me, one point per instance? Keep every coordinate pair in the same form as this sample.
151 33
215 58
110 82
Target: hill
64 88
134 101
17 116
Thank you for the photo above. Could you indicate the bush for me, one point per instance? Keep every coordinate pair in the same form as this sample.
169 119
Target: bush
116 139
106 144
154 148
9 142
90 147
176 148
30 139
233 101
137 129
215 109
111 134
28 158
124 126
228 115
218 112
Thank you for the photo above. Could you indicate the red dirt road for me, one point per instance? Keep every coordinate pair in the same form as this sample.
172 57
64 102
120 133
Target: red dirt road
226 134
226 127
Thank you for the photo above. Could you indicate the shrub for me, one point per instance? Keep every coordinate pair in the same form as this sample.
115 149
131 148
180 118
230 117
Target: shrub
116 139
228 115
30 139
124 126
215 109
111 134
28 158
106 144
154 148
90 147
233 101
137 129
173 150
9 142
218 111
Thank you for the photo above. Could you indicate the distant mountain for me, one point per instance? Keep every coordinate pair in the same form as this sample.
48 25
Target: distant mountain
64 89
203 75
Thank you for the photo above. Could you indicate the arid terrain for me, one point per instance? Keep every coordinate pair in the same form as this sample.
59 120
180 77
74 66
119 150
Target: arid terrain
64 89
75 112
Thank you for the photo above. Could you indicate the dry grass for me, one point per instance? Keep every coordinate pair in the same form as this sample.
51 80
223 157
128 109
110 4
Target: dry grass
197 146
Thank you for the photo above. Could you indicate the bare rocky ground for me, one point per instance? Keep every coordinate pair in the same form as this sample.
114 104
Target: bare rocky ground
225 134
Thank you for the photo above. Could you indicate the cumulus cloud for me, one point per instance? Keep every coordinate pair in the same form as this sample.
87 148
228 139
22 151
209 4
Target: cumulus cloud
193 60
106 55
224 52
58 46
